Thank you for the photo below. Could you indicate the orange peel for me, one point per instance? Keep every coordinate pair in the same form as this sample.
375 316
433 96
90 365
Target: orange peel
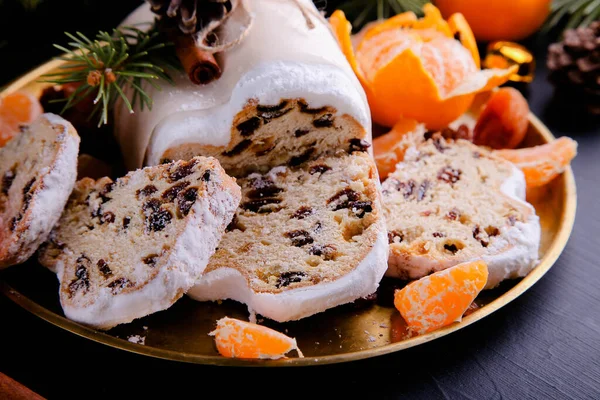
414 68
441 298
240 339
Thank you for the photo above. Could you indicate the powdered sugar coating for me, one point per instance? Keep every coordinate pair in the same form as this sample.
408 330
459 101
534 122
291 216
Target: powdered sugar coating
290 305
319 84
513 254
156 285
280 58
55 182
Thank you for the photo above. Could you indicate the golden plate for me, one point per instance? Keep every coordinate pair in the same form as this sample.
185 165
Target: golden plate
350 332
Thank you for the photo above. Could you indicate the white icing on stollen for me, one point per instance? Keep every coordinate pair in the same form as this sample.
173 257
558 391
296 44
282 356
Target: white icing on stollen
522 240
280 58
294 304
318 84
189 256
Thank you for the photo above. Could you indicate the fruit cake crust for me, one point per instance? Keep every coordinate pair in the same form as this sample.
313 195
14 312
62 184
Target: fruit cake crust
43 196
138 260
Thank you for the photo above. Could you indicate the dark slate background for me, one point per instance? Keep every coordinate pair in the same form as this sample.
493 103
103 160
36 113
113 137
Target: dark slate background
543 345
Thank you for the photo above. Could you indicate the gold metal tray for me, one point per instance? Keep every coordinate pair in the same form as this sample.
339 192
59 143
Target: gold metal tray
350 332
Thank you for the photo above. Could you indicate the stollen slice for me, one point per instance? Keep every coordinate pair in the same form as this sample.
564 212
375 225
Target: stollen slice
303 240
450 202
38 168
127 248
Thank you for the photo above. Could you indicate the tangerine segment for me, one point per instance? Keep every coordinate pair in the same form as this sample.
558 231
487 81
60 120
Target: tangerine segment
16 109
541 164
389 149
503 122
441 298
239 339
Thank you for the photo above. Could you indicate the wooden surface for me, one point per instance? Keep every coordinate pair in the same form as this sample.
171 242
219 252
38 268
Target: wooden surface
545 344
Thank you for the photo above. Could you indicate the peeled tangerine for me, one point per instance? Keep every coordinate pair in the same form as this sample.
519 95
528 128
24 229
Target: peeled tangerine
415 68
240 339
441 298
541 164
17 109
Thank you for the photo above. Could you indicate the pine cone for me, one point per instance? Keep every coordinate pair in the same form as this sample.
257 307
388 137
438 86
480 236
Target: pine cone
574 64
191 15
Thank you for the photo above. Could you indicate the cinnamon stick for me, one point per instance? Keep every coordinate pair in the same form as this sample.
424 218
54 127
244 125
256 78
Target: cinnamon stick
10 389
201 66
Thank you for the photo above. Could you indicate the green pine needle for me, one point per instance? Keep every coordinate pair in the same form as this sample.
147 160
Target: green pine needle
572 14
119 63
360 12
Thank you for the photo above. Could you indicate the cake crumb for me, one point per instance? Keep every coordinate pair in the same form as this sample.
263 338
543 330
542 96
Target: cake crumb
137 339
370 338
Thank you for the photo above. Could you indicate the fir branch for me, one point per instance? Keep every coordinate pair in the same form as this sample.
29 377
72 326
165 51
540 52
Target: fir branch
360 12
112 65
572 14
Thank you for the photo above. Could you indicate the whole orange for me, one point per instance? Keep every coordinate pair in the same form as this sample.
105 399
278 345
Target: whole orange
499 19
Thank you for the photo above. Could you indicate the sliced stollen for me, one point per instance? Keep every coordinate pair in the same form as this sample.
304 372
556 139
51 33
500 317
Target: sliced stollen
127 248
264 136
449 202
303 240
38 168
286 89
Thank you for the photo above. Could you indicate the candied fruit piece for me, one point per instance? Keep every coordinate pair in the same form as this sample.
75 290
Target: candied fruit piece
503 121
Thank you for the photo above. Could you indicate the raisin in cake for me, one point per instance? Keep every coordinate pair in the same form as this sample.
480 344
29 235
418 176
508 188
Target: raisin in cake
263 136
287 94
449 202
37 171
303 240
124 249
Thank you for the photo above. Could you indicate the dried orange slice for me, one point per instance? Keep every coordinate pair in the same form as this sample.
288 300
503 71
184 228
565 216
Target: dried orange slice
441 298
414 68
541 164
240 339
388 149
17 109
